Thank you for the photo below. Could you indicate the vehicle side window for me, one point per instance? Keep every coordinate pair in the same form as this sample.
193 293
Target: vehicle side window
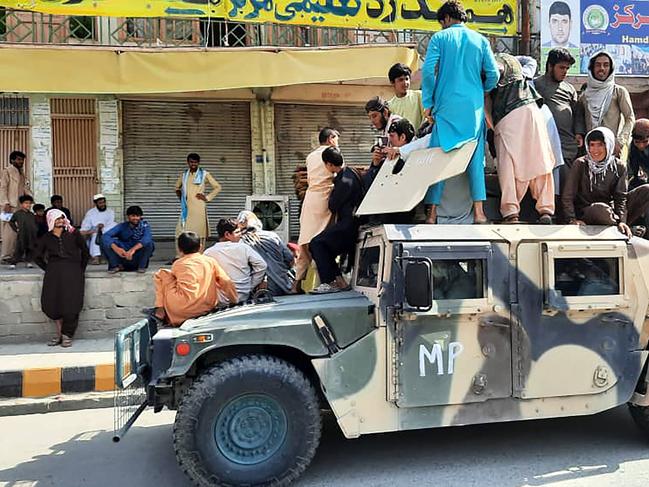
459 279
587 276
368 267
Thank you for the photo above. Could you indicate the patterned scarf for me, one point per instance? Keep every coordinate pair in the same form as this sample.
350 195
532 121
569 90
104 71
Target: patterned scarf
54 215
595 168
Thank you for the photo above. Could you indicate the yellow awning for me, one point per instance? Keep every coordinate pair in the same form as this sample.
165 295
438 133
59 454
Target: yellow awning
97 71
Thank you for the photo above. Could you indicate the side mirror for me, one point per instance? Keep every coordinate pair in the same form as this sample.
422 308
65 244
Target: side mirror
419 293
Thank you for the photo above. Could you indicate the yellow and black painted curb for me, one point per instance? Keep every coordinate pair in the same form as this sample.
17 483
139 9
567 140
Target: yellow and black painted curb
51 381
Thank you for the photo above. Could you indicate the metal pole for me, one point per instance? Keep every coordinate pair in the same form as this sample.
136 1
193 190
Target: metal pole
525 27
122 432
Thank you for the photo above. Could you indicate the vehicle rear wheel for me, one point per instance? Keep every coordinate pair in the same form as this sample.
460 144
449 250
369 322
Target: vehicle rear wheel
253 420
640 415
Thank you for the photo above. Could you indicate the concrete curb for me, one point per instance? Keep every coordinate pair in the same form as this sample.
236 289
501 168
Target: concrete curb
69 402
44 382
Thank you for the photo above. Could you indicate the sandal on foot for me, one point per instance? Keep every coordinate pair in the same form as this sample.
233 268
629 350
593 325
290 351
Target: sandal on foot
54 341
511 219
66 342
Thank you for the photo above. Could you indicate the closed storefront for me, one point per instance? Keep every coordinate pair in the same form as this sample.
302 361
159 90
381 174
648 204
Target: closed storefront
297 128
157 138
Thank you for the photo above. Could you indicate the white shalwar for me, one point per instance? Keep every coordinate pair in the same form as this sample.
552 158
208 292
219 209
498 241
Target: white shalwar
93 218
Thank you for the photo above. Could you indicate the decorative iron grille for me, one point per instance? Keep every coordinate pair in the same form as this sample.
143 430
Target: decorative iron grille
36 28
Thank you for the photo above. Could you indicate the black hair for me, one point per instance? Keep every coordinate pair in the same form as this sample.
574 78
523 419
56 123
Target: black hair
397 71
226 225
332 155
325 133
38 207
595 135
25 197
134 210
56 197
559 8
15 155
376 104
452 9
192 156
189 242
402 127
559 55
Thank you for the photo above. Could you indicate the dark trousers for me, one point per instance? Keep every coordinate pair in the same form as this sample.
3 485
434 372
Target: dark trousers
325 247
637 203
24 247
70 324
140 259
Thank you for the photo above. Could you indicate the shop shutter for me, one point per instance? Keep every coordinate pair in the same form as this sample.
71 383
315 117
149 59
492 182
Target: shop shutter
157 138
297 128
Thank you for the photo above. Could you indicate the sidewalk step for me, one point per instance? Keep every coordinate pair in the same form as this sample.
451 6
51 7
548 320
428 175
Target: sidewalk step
32 370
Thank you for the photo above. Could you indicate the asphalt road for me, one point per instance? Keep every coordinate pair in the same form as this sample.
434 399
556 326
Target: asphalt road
72 449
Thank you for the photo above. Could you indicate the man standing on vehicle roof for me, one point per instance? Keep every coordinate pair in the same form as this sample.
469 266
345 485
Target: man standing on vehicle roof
605 103
459 67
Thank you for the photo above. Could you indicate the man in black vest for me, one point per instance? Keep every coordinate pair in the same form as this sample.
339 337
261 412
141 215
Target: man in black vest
340 237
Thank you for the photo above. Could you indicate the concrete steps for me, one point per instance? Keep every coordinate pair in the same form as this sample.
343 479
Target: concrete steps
111 302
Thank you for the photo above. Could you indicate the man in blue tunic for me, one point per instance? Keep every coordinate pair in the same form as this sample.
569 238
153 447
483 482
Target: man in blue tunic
458 70
129 245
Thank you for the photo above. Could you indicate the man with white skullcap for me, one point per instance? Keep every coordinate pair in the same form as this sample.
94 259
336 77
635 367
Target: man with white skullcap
98 220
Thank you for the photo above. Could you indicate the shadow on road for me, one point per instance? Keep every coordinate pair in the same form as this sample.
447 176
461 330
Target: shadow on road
534 453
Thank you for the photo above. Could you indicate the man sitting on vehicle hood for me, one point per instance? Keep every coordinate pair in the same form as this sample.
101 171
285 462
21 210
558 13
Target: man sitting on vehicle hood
191 288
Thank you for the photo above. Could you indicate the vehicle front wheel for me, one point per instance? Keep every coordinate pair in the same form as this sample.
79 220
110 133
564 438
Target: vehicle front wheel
252 420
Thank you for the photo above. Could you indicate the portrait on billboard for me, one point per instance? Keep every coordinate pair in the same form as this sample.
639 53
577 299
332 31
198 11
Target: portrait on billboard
560 23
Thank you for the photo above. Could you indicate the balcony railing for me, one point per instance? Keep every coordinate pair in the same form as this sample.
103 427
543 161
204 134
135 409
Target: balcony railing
20 27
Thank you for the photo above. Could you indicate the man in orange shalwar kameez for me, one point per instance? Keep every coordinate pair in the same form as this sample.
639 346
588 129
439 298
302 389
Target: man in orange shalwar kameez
191 288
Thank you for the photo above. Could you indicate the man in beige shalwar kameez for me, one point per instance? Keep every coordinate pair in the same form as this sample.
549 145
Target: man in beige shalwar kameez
523 152
13 185
190 189
315 215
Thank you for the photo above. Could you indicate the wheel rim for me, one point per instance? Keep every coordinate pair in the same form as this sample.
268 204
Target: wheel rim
250 429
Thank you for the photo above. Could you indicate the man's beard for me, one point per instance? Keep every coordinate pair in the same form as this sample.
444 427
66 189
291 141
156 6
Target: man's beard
102 209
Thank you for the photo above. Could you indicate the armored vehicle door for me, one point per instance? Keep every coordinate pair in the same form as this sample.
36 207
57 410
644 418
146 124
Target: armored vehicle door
574 318
456 349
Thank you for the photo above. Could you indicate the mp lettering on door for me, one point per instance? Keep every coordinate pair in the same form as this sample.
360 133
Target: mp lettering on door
435 356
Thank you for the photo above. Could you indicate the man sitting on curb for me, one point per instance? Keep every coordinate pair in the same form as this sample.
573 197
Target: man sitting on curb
191 288
129 245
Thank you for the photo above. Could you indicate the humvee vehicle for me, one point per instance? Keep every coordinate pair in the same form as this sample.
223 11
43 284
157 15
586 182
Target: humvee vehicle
445 325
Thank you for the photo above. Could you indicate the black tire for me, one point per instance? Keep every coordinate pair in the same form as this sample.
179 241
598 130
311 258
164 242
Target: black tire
640 415
254 408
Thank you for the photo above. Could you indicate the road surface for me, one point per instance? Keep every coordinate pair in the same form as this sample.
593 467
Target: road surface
72 449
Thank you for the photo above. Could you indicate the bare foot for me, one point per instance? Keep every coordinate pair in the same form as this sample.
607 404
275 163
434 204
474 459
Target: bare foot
431 214
160 314
478 213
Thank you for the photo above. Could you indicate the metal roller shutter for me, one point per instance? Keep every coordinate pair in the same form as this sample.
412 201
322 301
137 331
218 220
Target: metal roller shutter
297 128
157 138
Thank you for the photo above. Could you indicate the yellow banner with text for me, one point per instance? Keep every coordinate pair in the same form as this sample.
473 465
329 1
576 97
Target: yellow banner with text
495 17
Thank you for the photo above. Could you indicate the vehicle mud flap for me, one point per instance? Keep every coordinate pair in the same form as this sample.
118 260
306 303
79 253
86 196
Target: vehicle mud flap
641 395
326 334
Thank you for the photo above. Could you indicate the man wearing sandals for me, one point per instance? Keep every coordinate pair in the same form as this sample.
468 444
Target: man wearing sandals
340 237
63 254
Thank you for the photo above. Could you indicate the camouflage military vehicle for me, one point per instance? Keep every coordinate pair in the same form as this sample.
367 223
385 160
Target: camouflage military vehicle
445 326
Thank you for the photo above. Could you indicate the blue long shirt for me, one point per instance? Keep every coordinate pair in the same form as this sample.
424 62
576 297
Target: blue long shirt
458 70
122 235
